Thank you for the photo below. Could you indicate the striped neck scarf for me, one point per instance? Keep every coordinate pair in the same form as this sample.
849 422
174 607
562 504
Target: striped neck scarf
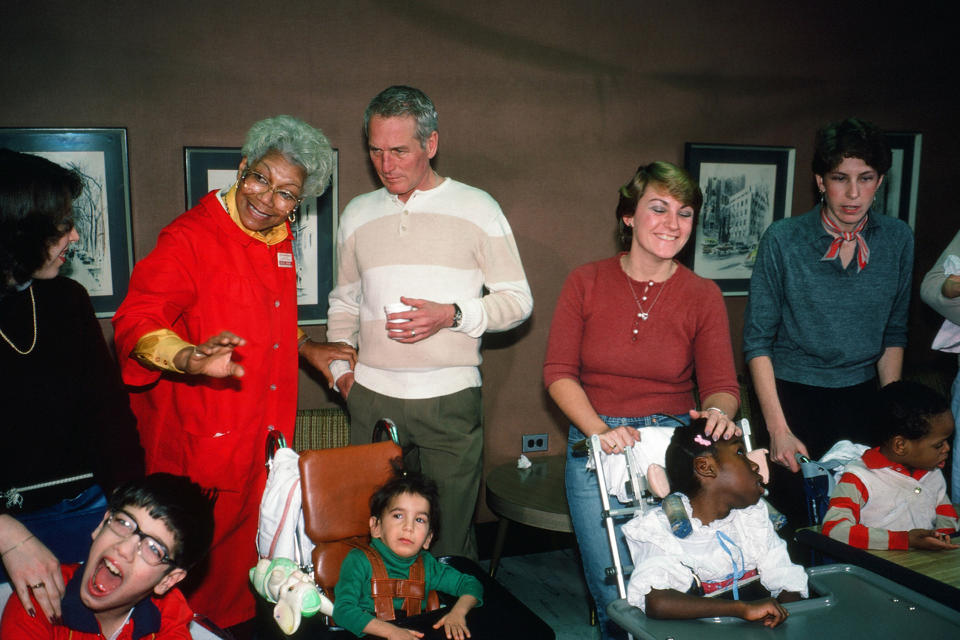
845 243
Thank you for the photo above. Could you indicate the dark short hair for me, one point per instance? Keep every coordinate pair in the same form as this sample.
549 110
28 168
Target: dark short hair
850 138
685 446
36 198
411 482
399 101
183 505
904 408
663 175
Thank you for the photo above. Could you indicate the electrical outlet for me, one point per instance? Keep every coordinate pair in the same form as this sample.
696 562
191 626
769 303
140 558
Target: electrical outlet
535 442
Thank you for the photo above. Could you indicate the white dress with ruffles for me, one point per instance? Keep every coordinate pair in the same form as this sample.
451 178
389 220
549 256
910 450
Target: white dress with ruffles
663 561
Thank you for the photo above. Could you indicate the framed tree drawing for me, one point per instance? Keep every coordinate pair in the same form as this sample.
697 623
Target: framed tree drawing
103 257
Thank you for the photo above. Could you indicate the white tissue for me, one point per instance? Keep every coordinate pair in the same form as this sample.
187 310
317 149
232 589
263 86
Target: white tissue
523 462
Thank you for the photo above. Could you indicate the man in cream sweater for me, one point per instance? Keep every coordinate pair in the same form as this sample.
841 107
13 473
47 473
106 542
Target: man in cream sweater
445 250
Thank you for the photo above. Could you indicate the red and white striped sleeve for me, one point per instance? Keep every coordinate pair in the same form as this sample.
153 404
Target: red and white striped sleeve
842 520
947 520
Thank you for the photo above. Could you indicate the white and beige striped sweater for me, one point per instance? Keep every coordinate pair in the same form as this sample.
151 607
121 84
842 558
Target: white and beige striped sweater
449 244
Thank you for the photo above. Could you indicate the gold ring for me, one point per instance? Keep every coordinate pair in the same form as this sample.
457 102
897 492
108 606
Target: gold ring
39 585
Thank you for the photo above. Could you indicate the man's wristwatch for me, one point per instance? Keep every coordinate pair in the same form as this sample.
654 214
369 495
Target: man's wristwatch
457 316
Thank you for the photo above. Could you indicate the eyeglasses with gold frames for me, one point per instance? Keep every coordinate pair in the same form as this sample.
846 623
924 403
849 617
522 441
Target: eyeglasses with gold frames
255 183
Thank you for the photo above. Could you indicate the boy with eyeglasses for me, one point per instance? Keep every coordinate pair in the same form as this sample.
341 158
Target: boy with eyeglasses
155 529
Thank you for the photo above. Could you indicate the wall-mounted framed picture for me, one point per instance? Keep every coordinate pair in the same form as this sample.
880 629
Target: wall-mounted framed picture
897 196
314 231
745 188
103 257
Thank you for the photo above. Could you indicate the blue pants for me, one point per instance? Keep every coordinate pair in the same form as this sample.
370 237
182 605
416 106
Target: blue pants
583 498
65 527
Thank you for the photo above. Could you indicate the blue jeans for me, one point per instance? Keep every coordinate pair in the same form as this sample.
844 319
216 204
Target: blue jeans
583 498
65 527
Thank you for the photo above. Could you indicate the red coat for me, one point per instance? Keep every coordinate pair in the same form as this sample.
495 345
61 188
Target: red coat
205 276
164 618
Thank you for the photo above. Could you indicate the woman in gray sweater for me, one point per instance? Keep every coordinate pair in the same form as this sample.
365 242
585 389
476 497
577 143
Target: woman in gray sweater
827 316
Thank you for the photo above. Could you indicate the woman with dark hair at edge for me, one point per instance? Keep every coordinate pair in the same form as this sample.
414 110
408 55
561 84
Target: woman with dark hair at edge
208 335
826 321
67 429
628 335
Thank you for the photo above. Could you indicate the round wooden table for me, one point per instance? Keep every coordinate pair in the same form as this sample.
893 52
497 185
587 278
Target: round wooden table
535 497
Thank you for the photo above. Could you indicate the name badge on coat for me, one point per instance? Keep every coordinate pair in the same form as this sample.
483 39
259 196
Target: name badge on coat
284 260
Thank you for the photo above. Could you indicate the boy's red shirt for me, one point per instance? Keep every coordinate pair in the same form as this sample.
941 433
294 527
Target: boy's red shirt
166 618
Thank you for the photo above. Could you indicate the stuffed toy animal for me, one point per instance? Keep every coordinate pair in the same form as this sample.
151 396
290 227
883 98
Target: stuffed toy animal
282 582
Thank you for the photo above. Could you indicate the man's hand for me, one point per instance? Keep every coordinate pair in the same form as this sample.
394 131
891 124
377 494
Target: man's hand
345 383
321 354
212 357
425 320
951 286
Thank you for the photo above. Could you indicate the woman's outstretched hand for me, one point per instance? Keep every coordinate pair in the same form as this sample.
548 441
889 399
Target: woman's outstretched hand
213 357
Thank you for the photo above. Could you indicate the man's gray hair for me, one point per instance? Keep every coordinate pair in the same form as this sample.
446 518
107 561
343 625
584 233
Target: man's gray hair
299 143
400 100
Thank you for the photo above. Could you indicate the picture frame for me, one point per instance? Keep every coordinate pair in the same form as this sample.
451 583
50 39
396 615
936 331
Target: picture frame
314 231
103 257
745 188
897 195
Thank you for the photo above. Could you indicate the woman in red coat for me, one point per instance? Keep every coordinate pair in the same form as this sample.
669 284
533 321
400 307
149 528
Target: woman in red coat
208 334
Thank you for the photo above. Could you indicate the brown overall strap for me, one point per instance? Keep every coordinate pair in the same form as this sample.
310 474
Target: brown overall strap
384 589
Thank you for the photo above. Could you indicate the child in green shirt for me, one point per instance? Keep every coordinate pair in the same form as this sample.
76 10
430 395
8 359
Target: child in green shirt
404 520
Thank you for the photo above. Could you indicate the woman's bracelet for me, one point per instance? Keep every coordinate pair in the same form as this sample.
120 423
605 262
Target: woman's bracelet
3 553
718 410
304 339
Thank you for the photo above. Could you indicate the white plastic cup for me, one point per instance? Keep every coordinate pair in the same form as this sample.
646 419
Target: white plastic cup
397 307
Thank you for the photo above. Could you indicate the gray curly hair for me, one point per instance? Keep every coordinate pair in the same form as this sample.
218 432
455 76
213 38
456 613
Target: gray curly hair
299 143
400 100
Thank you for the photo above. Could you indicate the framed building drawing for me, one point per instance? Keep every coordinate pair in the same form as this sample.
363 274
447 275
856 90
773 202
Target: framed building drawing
314 231
745 188
103 257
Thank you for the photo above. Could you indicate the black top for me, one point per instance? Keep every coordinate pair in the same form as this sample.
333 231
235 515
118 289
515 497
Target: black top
63 409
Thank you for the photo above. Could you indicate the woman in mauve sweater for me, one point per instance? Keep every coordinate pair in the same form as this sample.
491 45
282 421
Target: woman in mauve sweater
628 336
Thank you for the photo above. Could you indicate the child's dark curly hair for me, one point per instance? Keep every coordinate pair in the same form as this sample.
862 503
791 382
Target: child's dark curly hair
904 408
687 444
411 482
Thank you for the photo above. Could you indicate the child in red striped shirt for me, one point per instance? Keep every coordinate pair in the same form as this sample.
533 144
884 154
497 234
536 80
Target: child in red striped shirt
895 496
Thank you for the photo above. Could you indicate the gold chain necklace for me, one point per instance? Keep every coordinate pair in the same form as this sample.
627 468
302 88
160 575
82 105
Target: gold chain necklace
641 314
33 305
